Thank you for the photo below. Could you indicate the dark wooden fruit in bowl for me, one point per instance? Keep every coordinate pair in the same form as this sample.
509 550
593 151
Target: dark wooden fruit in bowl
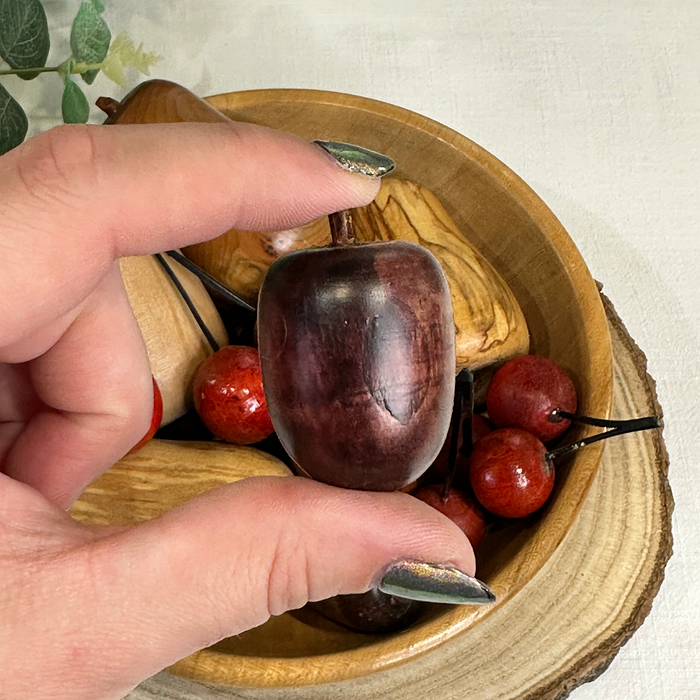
373 612
357 353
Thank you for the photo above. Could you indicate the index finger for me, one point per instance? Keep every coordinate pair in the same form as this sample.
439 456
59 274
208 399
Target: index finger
76 197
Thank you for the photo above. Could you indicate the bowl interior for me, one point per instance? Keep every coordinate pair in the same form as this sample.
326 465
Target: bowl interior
514 229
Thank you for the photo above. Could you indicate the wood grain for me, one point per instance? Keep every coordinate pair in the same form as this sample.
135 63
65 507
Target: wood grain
240 259
175 344
164 474
564 627
489 324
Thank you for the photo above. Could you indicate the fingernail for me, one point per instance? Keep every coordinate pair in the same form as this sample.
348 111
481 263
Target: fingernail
433 583
357 159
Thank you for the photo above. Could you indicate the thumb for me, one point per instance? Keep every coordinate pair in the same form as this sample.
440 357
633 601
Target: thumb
227 561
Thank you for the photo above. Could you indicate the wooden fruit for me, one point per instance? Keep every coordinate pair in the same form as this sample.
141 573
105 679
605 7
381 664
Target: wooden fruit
174 342
357 353
489 323
240 259
159 102
374 612
164 474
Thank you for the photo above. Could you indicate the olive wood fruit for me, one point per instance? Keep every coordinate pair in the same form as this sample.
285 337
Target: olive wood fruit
165 473
357 353
489 323
175 344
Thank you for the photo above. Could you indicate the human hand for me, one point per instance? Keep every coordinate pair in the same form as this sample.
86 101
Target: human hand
78 618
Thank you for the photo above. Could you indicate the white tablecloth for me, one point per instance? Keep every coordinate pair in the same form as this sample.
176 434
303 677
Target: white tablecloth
595 103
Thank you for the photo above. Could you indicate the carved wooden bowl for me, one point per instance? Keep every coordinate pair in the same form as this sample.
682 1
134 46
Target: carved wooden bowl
525 242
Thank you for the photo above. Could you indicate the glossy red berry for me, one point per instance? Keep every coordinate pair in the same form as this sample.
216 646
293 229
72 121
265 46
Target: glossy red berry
156 418
229 397
459 507
525 391
511 473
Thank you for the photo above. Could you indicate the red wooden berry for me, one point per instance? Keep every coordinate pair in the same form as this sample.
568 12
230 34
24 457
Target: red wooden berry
459 507
510 473
229 397
524 392
156 418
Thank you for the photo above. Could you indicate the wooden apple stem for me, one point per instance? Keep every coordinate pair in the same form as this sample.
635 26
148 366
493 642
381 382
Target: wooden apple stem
109 106
342 228
189 302
620 428
464 391
557 415
210 282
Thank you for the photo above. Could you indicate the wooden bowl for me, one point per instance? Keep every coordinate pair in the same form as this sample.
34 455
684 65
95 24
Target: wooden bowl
516 231
501 216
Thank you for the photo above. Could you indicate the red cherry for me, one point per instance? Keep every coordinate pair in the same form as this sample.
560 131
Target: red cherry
156 418
524 392
229 397
511 473
459 507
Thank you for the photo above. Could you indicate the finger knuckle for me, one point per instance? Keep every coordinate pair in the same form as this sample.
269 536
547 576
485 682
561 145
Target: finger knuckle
288 579
57 161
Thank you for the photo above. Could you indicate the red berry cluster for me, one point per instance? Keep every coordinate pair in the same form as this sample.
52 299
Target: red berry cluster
510 471
532 401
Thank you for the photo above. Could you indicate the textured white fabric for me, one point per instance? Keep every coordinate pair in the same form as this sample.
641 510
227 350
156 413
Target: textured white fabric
595 103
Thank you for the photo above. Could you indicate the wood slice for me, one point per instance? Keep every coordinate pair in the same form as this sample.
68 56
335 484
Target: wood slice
568 622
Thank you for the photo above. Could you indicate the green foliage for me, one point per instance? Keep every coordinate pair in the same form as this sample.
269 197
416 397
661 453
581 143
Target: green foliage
24 35
74 105
24 46
90 37
13 122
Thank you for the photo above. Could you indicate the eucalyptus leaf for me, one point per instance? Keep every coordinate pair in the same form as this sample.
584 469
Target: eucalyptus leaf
89 38
74 104
13 122
24 35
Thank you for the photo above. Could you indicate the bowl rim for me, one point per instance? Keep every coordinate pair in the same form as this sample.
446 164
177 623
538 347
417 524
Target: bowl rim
212 666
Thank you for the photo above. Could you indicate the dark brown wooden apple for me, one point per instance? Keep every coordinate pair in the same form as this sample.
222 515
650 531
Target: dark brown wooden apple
373 612
357 347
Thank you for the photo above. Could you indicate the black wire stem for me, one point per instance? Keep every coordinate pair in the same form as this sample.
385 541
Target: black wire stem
190 304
